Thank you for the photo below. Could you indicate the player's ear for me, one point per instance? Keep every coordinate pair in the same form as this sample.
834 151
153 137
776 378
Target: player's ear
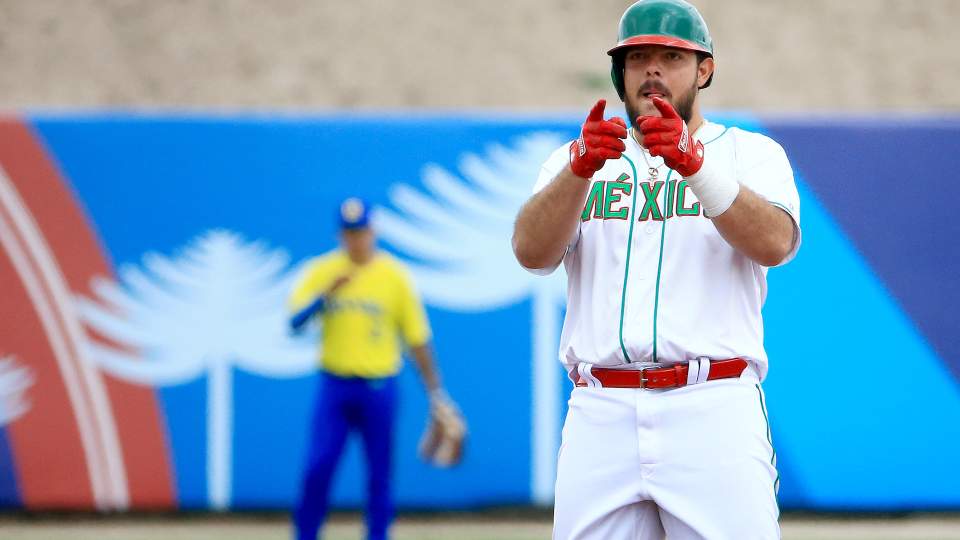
705 69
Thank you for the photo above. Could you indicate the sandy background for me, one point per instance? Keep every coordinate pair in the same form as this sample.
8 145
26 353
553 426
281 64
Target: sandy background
778 55
440 527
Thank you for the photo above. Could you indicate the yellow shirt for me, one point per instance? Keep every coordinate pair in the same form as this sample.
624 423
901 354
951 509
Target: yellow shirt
364 321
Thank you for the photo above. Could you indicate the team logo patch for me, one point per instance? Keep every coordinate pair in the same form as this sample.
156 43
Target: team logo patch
684 138
351 210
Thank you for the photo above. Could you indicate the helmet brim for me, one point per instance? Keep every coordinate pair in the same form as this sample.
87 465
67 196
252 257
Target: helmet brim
665 41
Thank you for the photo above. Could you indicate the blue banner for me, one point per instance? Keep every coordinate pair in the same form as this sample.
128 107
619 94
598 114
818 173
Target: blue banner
204 221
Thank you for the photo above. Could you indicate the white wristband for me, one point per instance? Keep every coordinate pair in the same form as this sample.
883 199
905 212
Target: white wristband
715 187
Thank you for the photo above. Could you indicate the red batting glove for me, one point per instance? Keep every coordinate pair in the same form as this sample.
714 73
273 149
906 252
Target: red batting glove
599 141
668 136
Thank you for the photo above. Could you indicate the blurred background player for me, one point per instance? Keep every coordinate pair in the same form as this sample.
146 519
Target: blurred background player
367 305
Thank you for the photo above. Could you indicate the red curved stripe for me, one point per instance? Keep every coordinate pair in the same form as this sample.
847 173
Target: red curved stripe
80 257
51 468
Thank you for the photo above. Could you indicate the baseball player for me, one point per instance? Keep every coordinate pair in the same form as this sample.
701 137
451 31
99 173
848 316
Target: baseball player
366 305
666 230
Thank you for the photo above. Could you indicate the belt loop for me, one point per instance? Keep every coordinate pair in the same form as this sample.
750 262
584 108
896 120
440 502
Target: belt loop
584 369
588 370
693 371
704 369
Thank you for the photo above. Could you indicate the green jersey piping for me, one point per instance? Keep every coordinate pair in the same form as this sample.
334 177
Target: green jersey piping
626 270
656 296
663 234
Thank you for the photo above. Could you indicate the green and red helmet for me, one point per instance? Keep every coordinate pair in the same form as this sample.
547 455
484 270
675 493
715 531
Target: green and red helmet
671 23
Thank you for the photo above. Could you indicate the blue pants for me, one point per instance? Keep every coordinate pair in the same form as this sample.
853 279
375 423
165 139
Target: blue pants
343 405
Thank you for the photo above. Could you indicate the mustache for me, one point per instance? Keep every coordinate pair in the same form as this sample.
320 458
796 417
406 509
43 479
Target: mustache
653 86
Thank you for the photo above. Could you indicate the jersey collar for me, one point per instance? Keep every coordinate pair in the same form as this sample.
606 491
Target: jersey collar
708 131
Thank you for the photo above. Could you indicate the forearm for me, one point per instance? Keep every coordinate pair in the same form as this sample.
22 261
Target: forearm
548 220
747 221
423 356
300 318
756 228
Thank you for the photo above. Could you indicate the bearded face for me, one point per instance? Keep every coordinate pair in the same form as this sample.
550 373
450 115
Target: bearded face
682 103
666 72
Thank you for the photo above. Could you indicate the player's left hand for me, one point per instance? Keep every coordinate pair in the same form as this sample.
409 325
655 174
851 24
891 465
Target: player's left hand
668 136
442 441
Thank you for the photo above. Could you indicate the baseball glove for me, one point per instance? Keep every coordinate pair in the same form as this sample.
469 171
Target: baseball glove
442 441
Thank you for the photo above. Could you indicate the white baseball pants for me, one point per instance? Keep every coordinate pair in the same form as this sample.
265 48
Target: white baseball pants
690 463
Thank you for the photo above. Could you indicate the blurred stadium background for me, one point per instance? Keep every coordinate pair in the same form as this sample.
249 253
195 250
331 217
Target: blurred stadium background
165 167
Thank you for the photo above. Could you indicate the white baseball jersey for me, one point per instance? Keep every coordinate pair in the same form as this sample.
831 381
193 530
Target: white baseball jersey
650 279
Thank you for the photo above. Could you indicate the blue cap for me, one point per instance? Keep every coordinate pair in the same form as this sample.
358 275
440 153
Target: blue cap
354 214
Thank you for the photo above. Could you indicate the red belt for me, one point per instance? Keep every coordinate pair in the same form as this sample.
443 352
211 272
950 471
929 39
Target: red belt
666 377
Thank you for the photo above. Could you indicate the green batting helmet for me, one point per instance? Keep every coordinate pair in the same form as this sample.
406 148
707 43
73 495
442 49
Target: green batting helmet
672 23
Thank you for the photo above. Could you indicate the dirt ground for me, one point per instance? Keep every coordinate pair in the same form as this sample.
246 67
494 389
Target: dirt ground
467 527
773 55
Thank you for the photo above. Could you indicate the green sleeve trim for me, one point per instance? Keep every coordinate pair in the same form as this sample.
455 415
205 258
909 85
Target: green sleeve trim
626 271
784 208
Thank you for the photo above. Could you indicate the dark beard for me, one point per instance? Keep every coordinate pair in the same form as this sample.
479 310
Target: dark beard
683 106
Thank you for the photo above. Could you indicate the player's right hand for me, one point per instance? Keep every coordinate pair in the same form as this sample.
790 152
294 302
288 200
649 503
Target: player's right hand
599 141
338 283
